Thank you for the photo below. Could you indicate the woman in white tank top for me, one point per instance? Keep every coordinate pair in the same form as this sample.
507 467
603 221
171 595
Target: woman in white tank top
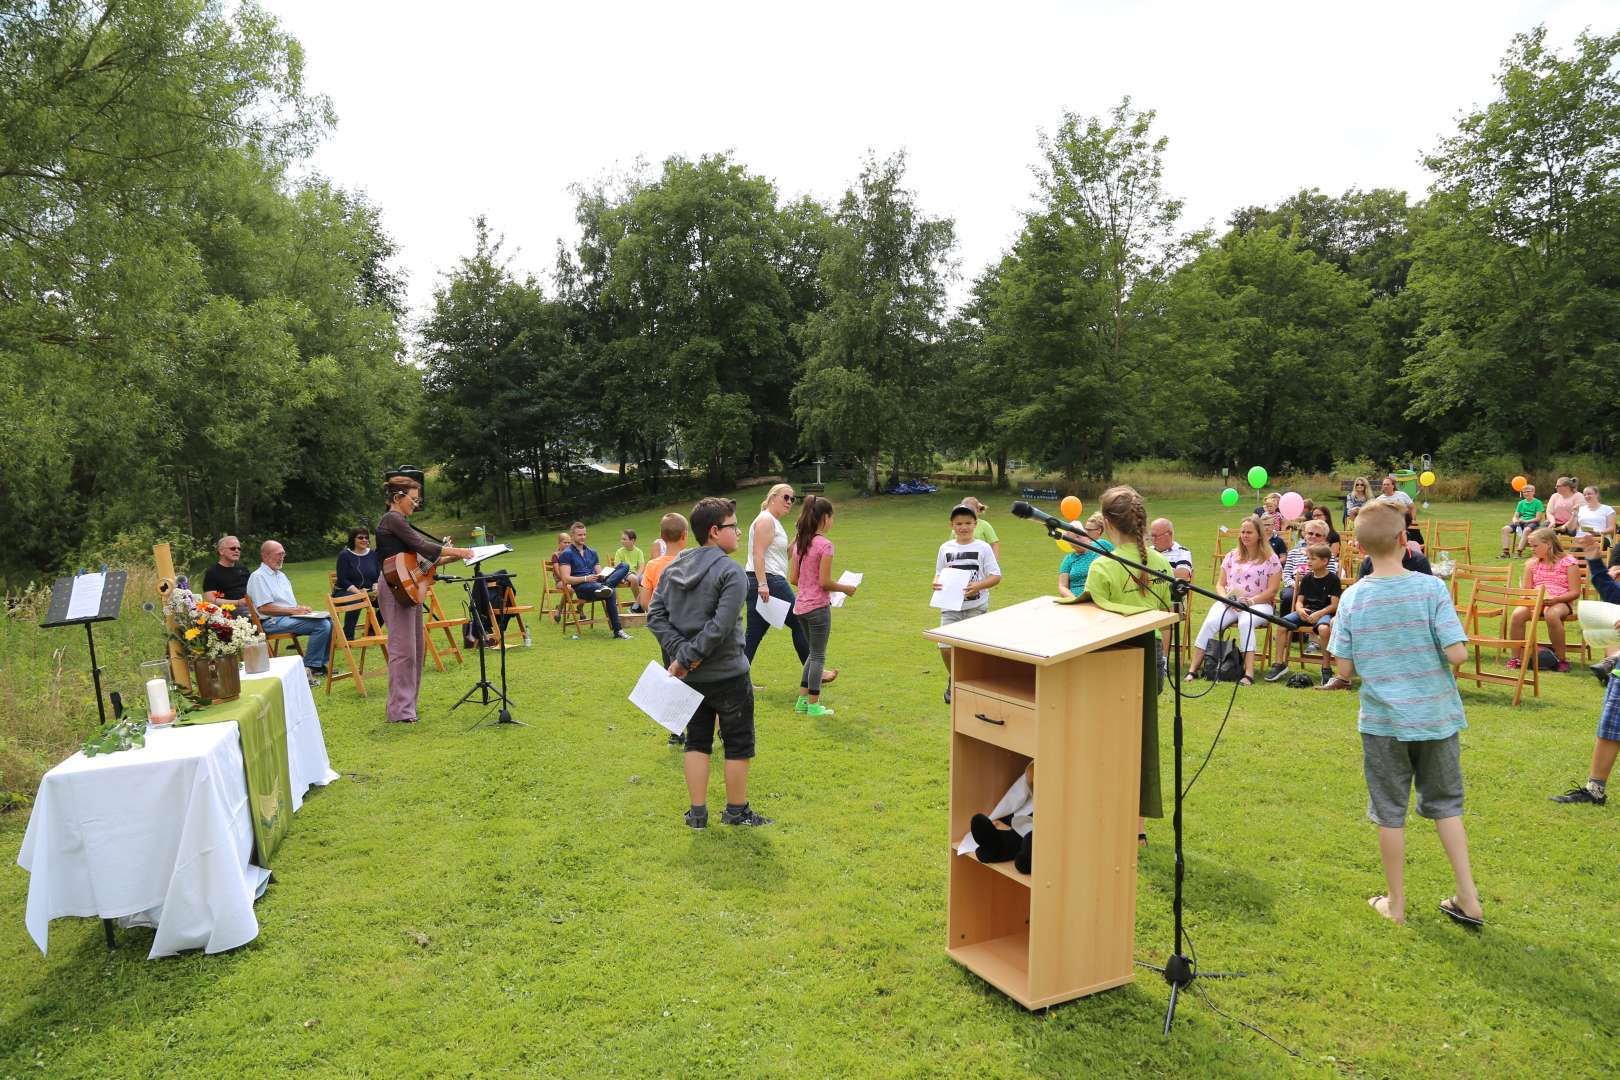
768 548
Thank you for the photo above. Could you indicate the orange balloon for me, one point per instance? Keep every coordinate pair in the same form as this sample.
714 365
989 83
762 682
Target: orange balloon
1071 506
1519 482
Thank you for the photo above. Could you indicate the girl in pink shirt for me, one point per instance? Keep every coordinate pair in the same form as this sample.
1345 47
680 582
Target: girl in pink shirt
1560 576
810 571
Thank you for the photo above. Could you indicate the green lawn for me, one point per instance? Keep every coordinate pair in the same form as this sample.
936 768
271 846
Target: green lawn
526 901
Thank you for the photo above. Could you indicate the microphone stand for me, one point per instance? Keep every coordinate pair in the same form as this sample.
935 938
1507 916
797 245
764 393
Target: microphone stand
1178 970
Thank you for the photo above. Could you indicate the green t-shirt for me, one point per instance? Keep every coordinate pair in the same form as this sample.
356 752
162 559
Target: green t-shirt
635 558
1529 509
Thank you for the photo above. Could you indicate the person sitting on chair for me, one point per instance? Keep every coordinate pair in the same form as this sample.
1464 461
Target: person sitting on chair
581 570
281 613
228 578
357 571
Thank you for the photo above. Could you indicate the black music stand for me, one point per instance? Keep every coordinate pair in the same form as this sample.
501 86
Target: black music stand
486 690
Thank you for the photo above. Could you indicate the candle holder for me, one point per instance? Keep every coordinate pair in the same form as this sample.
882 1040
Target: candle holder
256 658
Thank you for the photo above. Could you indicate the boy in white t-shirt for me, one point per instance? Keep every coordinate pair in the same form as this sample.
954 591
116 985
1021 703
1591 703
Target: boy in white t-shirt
962 550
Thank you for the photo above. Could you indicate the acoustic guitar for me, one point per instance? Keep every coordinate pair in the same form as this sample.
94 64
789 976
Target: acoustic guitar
410 576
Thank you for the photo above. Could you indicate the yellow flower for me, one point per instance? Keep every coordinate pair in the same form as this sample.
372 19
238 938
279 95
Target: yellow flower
191 634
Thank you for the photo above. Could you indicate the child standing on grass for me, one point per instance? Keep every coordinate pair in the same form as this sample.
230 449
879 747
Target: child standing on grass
962 550
810 571
696 616
1400 631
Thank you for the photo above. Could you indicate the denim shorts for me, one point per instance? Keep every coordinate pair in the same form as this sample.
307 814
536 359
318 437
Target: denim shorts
1392 767
1298 622
1609 717
731 704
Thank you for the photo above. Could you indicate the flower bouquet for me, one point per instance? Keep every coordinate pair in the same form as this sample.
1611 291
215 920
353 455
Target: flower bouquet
211 636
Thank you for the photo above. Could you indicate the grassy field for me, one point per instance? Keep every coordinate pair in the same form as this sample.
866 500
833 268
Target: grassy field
526 901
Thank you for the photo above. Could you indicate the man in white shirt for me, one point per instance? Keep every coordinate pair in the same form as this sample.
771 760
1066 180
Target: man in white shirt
1162 535
281 613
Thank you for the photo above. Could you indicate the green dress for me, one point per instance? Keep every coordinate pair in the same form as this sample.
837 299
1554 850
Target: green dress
1112 587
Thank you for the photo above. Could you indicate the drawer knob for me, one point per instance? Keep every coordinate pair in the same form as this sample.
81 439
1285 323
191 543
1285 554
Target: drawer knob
986 719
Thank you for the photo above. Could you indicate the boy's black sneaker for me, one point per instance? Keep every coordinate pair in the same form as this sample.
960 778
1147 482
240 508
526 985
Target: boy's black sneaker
1275 672
696 819
1582 794
744 815
677 739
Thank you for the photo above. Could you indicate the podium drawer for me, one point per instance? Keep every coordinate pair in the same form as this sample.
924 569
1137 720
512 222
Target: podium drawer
993 720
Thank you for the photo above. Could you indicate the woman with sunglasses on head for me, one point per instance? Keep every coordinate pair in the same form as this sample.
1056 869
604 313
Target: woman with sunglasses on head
406 645
767 573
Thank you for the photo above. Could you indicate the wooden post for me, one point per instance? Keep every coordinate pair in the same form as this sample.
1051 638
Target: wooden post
164 560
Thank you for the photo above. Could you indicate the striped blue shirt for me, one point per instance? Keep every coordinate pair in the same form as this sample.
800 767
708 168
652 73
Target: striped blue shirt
1396 630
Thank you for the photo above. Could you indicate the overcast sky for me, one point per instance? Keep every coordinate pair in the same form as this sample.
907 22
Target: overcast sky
447 111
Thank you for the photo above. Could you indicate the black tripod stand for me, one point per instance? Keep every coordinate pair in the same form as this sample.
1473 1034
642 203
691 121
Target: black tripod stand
479 612
1178 970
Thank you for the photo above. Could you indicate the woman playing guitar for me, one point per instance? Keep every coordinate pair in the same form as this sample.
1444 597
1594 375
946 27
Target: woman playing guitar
403 615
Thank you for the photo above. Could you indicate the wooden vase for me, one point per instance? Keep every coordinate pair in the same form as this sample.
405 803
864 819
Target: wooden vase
216 680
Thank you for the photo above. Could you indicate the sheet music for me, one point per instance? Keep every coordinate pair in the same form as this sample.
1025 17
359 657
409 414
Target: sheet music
1597 623
666 699
953 581
85 603
488 551
774 611
848 577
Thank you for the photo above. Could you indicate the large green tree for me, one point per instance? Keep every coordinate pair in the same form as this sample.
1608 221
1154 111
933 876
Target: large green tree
871 352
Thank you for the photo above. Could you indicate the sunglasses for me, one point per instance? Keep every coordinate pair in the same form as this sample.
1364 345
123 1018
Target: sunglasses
787 498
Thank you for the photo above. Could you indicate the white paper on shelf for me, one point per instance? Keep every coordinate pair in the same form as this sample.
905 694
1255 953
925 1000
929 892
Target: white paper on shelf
488 551
85 601
1019 802
774 611
952 581
666 699
1597 623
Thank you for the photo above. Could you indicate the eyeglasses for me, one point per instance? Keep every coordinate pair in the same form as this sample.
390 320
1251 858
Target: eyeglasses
730 525
788 498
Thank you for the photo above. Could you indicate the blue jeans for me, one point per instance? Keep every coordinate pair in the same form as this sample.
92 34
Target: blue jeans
757 626
318 631
603 591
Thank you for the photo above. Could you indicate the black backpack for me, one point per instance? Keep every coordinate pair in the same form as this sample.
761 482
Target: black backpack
1224 661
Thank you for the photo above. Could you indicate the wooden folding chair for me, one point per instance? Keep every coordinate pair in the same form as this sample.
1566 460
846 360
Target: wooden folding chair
1452 536
434 619
509 607
1505 599
371 633
273 640
1498 574
574 612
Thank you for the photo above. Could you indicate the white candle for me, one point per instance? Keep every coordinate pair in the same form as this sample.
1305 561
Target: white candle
157 698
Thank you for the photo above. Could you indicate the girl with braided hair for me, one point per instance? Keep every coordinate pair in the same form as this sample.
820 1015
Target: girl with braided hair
1116 587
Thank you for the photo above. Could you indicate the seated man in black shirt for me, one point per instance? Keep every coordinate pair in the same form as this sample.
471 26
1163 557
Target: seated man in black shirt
228 578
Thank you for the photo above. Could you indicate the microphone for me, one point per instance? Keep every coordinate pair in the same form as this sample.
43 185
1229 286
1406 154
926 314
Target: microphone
1024 510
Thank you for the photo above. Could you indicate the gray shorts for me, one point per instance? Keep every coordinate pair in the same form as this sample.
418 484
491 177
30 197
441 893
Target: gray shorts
1393 767
948 617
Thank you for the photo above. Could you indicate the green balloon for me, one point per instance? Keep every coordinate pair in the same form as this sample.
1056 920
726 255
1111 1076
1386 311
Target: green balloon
1258 477
1229 497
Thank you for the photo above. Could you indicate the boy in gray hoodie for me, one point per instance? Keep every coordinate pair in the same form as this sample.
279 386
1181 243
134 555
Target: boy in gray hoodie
695 615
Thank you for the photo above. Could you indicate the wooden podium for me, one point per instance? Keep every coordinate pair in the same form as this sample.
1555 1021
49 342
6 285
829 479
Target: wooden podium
1052 682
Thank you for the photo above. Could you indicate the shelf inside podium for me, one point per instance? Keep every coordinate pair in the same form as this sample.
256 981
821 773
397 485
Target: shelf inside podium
1006 687
1002 962
1005 869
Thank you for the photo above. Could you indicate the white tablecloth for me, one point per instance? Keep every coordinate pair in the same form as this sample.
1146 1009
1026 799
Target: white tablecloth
307 764
159 835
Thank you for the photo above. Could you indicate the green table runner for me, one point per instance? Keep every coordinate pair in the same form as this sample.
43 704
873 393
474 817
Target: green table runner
261 718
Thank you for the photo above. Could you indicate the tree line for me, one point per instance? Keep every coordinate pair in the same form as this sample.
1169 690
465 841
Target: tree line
197 336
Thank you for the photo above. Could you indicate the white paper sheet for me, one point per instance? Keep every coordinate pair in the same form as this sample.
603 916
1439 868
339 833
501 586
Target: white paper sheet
85 600
775 611
1597 623
848 577
952 581
488 551
665 698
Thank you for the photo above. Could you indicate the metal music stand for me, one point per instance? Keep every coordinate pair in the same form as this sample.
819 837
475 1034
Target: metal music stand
486 690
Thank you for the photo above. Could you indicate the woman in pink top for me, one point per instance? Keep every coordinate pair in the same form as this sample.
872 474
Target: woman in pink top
810 570
1251 575
1562 505
1560 575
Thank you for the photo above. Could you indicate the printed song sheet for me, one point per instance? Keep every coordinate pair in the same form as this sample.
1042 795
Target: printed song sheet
848 577
488 551
665 698
953 580
85 602
775 611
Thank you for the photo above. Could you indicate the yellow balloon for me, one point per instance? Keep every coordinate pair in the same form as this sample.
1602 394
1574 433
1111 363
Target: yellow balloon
1063 547
1427 479
1071 506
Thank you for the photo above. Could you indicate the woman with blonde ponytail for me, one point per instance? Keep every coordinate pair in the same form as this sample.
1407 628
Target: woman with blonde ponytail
1116 587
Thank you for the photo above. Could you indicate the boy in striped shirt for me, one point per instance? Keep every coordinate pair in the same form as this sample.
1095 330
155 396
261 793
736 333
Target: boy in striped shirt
1400 632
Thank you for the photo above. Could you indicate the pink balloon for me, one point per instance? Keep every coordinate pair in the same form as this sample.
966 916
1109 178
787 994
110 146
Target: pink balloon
1292 505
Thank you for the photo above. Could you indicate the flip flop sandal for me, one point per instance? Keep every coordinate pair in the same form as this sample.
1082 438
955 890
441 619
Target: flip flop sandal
1246 681
1457 915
